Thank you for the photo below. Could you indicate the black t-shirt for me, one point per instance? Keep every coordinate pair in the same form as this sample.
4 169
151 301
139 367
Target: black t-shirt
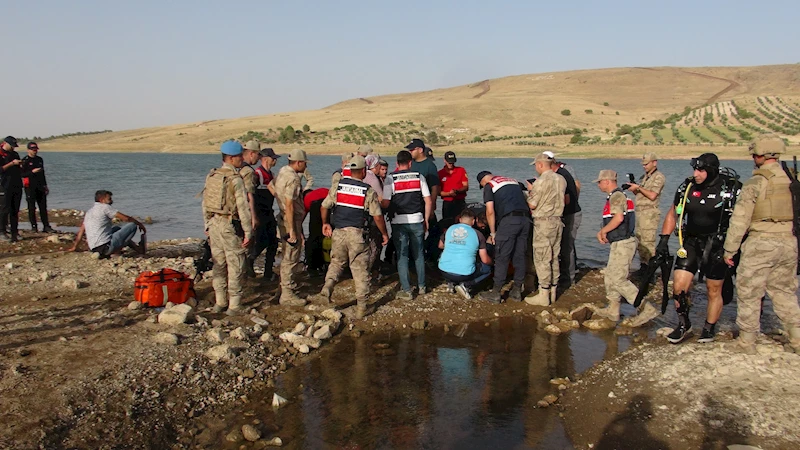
35 179
704 207
507 196
10 178
572 190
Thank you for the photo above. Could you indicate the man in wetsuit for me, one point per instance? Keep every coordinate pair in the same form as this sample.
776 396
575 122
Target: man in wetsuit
700 210
35 187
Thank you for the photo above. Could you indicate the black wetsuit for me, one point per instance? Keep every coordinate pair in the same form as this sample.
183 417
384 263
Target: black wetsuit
36 190
11 181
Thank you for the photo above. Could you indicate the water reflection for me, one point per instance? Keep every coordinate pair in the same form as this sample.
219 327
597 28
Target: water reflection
435 390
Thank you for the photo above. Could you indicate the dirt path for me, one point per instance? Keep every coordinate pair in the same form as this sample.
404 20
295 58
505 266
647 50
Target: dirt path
485 87
731 85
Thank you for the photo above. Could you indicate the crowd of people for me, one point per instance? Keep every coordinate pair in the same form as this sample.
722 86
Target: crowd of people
725 228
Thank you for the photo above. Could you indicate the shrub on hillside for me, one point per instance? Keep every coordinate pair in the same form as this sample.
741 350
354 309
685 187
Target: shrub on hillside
565 112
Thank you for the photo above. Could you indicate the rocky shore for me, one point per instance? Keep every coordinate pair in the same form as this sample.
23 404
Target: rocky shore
83 367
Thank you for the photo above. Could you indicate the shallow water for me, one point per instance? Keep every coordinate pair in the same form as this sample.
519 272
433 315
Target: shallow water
431 390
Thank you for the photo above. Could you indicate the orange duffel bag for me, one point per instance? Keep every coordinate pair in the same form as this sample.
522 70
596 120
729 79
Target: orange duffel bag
155 289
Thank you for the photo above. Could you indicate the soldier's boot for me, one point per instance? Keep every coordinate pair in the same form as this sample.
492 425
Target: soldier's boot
492 296
794 340
746 342
515 294
610 312
363 309
289 298
540 299
684 328
324 295
221 302
234 306
648 313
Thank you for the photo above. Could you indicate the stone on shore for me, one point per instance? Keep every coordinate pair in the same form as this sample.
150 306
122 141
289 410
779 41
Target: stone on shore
216 335
323 333
134 305
220 352
251 433
599 324
239 334
176 315
166 339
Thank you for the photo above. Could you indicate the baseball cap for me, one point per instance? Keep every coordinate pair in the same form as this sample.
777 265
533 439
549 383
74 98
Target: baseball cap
543 157
450 157
11 140
267 151
429 152
252 145
649 157
415 143
231 148
347 157
606 175
357 162
298 155
33 146
550 154
768 144
482 174
365 149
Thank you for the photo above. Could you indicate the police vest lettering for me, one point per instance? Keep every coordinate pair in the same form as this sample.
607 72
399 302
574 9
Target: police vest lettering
407 196
351 197
216 198
628 226
500 182
774 202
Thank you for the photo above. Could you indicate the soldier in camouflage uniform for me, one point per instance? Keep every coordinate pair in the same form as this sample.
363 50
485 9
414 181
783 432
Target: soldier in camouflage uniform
648 216
354 201
228 224
769 254
288 193
546 200
619 224
248 174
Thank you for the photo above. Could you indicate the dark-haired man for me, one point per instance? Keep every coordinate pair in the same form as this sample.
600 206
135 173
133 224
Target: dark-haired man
35 187
423 164
102 235
11 182
455 185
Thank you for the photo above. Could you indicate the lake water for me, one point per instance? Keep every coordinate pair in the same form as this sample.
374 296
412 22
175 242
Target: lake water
165 186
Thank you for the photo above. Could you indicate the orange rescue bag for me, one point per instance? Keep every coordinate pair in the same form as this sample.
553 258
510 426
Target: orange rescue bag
155 289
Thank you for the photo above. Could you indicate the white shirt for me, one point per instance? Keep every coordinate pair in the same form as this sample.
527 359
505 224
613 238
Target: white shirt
97 224
388 190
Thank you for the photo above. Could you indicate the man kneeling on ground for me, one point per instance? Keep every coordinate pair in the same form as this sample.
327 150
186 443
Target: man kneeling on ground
462 246
105 238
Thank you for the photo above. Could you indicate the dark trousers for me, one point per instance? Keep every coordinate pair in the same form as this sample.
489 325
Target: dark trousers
511 245
37 196
451 209
266 239
9 215
431 244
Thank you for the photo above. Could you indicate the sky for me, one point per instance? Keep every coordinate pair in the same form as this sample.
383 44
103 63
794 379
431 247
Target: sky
93 65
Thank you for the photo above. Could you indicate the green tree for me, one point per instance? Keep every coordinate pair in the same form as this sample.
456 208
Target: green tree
306 128
432 137
605 103
565 112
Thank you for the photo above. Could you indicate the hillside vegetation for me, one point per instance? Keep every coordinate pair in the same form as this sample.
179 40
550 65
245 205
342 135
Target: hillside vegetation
607 112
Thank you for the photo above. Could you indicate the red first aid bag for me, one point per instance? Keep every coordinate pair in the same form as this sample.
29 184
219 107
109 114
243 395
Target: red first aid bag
155 289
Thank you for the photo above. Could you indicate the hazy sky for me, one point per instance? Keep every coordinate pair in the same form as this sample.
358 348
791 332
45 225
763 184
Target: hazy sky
93 65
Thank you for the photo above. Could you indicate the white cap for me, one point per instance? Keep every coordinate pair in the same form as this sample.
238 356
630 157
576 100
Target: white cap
550 154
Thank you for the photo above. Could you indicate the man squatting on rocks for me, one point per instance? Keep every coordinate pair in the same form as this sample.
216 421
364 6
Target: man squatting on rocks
465 260
699 210
11 181
546 198
288 193
36 190
619 224
768 262
229 226
506 205
648 216
355 202
102 236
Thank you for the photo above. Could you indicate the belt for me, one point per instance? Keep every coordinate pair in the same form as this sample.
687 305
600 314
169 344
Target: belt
549 218
515 213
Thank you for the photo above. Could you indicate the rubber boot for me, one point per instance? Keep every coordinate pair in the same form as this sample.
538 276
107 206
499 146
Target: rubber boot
610 312
746 342
794 340
324 295
515 294
540 299
648 313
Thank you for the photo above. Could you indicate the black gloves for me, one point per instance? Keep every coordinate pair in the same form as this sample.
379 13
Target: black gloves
663 244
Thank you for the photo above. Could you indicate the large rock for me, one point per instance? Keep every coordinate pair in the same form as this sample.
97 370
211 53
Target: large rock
216 335
553 329
599 324
134 305
266 337
239 334
299 328
583 312
166 339
220 352
176 315
74 284
300 340
323 333
251 433
545 318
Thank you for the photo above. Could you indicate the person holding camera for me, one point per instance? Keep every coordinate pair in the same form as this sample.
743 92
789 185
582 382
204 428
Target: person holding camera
648 216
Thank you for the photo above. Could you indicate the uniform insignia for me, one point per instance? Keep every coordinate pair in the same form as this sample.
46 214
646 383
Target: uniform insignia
696 194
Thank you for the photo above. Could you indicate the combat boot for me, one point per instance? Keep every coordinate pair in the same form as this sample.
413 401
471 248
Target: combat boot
746 342
492 296
794 340
515 294
289 298
540 299
324 295
610 312
648 313
363 310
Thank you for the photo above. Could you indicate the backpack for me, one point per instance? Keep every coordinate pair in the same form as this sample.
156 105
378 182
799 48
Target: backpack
794 188
215 194
155 289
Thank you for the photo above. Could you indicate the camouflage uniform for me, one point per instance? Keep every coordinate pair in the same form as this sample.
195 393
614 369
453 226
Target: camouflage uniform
309 180
226 241
648 216
615 276
288 189
250 179
547 197
769 254
350 247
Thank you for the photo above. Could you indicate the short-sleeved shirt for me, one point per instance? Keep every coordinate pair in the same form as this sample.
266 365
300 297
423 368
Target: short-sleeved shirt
506 195
652 182
371 203
250 180
451 181
11 178
288 189
388 191
461 246
547 195
427 168
372 180
572 190
97 224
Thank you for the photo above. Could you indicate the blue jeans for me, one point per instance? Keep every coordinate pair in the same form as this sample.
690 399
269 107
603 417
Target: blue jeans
121 237
408 237
481 273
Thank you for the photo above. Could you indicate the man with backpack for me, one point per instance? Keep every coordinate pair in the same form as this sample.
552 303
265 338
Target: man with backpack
229 225
769 254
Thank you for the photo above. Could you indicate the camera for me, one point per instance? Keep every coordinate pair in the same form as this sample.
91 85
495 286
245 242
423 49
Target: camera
631 180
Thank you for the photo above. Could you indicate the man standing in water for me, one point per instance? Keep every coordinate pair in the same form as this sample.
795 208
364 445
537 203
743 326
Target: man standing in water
288 192
229 226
